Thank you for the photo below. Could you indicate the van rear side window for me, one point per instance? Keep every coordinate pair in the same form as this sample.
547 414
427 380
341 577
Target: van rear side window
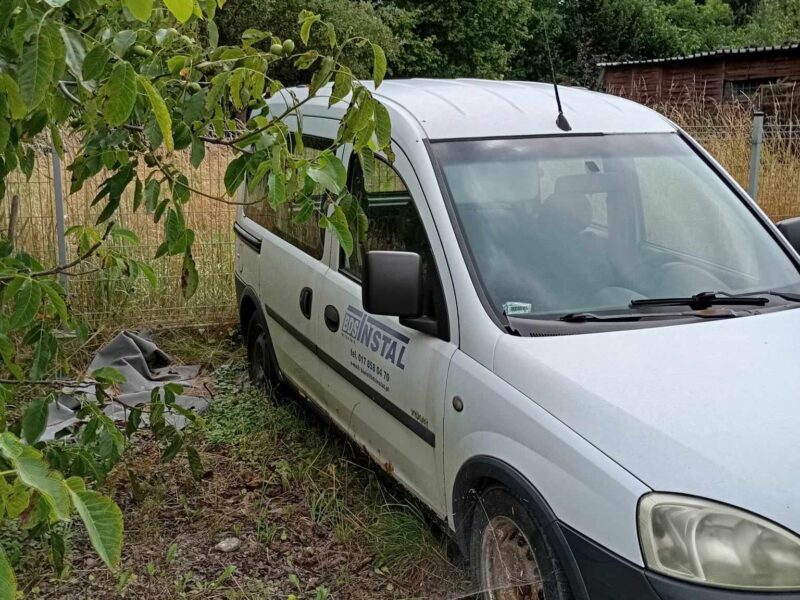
306 236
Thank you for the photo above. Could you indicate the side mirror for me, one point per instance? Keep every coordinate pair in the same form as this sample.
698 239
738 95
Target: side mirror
392 284
790 228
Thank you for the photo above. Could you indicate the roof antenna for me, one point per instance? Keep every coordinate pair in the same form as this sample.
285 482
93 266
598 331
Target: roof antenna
561 120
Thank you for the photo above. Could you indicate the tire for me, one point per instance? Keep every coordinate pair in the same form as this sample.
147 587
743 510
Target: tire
510 557
261 368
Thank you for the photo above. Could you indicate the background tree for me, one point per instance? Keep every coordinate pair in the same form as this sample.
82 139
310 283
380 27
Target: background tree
453 38
280 17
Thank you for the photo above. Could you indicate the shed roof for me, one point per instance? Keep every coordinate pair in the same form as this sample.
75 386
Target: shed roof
711 53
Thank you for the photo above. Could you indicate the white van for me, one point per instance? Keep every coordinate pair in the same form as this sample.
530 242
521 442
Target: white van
579 348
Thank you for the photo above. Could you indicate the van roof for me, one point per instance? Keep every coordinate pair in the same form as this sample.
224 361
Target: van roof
474 108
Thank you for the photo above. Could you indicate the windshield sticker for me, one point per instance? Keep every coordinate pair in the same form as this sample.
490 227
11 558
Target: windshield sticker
376 346
517 308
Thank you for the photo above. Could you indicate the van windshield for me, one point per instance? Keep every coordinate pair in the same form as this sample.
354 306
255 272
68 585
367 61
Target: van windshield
556 225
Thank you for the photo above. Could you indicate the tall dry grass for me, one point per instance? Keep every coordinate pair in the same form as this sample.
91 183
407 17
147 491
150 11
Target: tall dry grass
725 131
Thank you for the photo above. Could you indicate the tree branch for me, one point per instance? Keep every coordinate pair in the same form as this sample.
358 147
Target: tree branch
62 86
174 181
289 110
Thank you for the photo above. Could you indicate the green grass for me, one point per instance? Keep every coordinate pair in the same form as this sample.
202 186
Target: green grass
342 488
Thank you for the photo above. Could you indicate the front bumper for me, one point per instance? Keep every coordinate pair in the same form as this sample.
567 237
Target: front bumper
607 576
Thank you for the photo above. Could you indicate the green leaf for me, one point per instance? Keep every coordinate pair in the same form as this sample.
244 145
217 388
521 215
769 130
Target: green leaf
76 51
304 214
338 222
103 520
53 292
34 473
120 94
198 152
261 170
182 135
123 41
307 19
76 484
189 276
160 111
16 497
45 347
26 304
56 43
108 375
329 172
213 33
195 463
5 132
141 9
151 191
173 225
367 159
149 274
174 446
7 354
138 196
277 189
34 420
7 9
95 63
182 9
16 104
8 583
362 115
378 64
342 84
120 233
109 209
331 35
383 125
36 69
234 174
322 75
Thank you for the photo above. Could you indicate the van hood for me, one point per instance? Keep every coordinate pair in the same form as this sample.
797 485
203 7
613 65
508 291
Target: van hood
710 409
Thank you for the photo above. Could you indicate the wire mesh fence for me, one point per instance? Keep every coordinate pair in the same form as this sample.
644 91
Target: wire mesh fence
111 300
778 163
105 298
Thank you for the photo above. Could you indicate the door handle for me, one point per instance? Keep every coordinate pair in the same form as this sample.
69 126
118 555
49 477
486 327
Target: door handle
306 296
332 318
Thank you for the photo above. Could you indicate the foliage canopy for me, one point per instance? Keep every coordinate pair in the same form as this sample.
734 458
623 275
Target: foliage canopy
136 82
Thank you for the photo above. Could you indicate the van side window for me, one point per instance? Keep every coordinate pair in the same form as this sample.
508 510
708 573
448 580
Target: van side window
393 223
307 236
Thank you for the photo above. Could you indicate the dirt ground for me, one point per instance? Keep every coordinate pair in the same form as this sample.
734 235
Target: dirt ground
301 513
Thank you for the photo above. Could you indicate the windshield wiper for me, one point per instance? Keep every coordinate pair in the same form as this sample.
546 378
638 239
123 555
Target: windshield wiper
582 317
702 300
785 295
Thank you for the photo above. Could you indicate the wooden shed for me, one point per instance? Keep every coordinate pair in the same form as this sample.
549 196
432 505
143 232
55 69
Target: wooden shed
768 76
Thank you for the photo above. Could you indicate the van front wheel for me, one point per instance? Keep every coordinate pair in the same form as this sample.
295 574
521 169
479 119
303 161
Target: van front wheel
509 555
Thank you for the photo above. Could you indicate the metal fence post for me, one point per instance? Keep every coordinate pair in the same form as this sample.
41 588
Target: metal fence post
61 242
755 153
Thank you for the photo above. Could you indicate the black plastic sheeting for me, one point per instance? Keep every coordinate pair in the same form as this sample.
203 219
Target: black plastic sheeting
145 367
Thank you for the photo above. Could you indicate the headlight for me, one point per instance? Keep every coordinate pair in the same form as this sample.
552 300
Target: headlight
714 544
